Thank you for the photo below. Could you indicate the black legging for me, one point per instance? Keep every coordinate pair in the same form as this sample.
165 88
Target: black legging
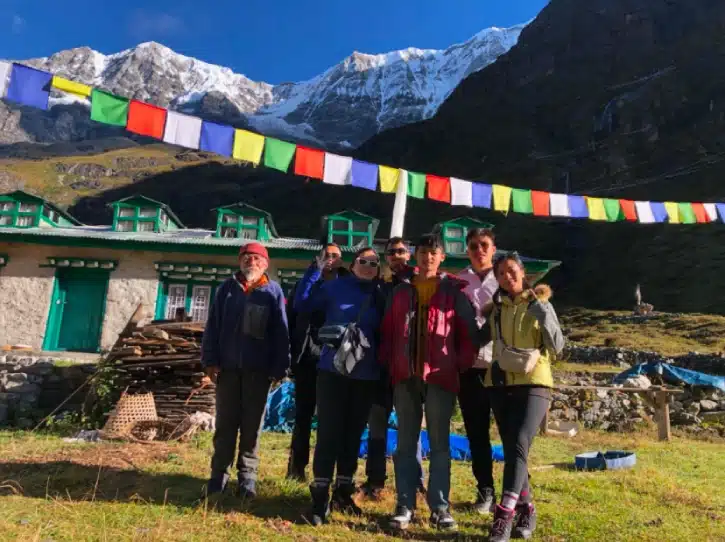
519 411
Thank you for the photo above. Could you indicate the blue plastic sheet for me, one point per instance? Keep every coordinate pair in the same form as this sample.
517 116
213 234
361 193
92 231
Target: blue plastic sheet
672 375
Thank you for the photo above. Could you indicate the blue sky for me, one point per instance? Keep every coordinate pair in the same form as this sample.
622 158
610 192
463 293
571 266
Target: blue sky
269 40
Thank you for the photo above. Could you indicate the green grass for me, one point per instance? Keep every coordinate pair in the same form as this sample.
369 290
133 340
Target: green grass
111 491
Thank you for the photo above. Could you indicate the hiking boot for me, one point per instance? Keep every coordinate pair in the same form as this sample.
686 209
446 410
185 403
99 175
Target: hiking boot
216 485
525 521
342 500
372 491
443 521
503 520
246 489
320 505
401 518
485 501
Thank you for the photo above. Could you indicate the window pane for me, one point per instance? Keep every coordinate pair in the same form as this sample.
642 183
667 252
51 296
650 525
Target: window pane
164 218
7 205
125 211
454 231
124 225
147 211
229 233
341 225
250 220
455 247
175 299
360 225
28 208
146 225
6 220
25 221
200 303
249 233
230 219
342 240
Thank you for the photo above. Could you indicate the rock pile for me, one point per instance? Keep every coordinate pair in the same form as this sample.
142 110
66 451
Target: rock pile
705 363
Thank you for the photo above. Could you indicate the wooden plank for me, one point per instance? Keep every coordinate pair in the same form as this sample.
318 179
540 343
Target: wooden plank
663 416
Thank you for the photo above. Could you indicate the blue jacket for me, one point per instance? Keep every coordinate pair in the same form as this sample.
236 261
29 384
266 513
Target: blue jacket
341 299
247 330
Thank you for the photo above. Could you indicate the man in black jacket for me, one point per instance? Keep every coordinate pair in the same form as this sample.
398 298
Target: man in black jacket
305 355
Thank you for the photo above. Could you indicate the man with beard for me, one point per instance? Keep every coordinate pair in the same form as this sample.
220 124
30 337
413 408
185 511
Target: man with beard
245 348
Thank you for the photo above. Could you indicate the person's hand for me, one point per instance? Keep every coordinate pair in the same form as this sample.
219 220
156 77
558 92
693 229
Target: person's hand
212 372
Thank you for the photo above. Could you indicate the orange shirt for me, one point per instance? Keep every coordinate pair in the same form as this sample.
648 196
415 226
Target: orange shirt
425 289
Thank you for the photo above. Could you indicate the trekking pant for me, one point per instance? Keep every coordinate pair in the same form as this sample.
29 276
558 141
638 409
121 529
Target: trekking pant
475 403
409 396
519 411
241 397
305 378
343 407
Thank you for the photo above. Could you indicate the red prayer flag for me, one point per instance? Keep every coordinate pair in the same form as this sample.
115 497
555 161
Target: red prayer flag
146 119
700 213
629 210
310 163
439 188
540 202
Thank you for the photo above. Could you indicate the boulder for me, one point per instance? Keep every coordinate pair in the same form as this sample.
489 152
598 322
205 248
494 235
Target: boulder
707 405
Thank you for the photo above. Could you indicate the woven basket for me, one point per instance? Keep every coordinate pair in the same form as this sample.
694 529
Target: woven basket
129 410
162 430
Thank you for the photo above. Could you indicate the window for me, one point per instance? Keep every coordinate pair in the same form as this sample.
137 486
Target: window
7 206
50 214
148 219
200 296
349 232
24 221
175 299
164 218
19 214
454 239
249 233
232 225
127 211
146 225
288 278
229 233
147 212
191 297
125 225
6 220
28 208
250 221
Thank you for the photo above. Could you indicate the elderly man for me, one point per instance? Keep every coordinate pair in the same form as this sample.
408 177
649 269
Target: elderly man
245 348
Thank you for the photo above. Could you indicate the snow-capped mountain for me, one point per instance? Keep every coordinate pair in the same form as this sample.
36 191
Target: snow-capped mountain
342 107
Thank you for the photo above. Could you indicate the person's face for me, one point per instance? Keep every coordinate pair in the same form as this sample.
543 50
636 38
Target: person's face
252 266
510 277
429 259
397 256
480 252
330 255
366 265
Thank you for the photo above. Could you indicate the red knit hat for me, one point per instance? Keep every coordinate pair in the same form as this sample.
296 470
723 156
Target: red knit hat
254 248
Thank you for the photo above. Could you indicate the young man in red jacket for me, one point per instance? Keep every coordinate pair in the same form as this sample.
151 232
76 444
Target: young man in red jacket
428 337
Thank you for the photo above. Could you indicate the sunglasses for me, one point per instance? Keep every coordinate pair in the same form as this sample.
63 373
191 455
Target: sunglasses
396 251
476 246
369 263
332 255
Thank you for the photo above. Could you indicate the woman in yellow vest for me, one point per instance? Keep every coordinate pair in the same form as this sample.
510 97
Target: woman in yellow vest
526 338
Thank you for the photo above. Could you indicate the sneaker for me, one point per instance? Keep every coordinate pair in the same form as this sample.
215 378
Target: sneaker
485 501
502 524
216 485
342 500
443 521
247 489
372 491
525 523
402 518
320 511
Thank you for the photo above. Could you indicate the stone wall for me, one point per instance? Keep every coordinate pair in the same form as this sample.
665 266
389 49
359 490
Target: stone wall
705 363
32 386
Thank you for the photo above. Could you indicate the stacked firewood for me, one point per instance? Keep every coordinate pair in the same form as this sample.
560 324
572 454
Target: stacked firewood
165 359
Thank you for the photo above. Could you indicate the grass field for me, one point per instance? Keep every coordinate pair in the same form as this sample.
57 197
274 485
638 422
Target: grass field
110 491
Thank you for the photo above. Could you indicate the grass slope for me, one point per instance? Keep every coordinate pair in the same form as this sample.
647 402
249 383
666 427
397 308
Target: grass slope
62 492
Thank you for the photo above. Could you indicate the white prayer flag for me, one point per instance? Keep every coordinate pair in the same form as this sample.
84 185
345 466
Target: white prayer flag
5 68
559 204
711 210
182 130
644 212
401 202
461 192
337 169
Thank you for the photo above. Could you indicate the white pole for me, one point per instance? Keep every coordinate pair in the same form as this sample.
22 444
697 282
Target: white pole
401 199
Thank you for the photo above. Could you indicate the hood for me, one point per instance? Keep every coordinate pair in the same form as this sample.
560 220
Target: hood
543 292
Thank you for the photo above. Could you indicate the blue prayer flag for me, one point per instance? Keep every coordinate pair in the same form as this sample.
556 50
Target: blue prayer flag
217 138
29 86
578 207
364 175
658 211
482 195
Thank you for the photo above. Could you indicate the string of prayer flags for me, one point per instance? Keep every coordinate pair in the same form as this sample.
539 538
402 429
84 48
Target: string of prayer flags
65 85
108 108
278 154
309 163
559 204
388 179
337 169
630 213
644 212
596 209
700 214
482 195
146 119
658 211
613 210
540 203
711 211
687 215
216 138
5 69
364 175
29 86
439 188
182 130
416 185
501 198
248 146
461 192
521 201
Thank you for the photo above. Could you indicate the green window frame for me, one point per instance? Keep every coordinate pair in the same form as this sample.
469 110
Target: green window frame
15 213
231 225
136 218
349 232
170 297
288 278
454 238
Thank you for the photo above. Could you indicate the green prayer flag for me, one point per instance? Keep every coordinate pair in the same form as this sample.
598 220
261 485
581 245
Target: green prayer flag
613 210
278 154
108 108
687 213
521 201
416 185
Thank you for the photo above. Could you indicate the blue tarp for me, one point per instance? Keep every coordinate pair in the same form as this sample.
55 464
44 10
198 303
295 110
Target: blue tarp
280 418
672 375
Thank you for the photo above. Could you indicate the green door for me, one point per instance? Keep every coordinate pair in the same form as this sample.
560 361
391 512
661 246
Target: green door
76 312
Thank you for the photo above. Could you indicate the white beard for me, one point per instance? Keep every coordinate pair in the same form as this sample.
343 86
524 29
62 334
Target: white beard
251 275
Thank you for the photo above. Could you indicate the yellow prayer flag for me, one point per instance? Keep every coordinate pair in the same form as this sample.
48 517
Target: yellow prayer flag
596 209
388 178
71 86
673 211
501 198
248 146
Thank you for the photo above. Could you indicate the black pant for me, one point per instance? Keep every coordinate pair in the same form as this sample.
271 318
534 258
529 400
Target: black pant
305 377
241 397
475 403
343 406
519 411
